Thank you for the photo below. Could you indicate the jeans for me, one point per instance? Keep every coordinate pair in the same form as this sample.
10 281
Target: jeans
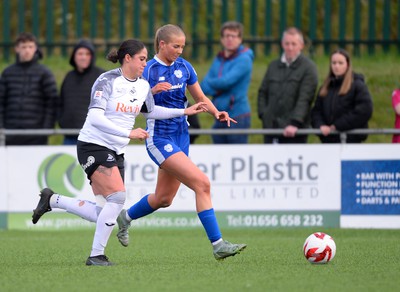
243 122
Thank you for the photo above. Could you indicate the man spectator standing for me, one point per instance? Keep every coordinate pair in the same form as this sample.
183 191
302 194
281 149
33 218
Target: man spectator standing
287 91
76 89
28 94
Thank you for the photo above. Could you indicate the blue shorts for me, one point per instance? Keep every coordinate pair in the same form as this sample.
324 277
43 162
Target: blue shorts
160 148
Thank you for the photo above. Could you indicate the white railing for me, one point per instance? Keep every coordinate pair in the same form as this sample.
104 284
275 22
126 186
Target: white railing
343 135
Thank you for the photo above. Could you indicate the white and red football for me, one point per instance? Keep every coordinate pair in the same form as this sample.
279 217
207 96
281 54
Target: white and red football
319 248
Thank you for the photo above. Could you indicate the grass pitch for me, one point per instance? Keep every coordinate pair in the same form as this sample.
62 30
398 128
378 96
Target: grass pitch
182 260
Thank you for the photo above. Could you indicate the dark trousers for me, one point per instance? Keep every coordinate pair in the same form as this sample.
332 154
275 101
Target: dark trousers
301 139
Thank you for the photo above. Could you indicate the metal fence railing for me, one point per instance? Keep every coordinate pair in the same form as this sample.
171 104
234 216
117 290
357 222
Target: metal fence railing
362 25
343 135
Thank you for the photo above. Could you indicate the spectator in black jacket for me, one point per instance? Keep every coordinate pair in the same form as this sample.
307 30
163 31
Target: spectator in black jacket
343 102
76 89
28 93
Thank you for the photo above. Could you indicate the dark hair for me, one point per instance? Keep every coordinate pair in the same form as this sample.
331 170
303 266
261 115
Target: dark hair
347 77
24 37
130 47
232 25
164 34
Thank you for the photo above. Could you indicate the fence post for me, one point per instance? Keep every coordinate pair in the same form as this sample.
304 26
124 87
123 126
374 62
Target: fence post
21 16
6 29
371 26
268 25
356 27
386 24
327 26
210 26
342 23
64 26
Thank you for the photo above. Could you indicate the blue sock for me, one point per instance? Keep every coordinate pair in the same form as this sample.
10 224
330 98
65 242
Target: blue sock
140 209
210 224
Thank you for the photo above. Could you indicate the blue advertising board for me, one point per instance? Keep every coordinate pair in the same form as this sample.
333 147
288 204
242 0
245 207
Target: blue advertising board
370 187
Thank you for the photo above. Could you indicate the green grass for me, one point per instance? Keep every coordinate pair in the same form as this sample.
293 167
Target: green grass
181 260
380 71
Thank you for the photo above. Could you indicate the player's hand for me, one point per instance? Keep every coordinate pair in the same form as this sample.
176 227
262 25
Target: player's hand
160 87
326 130
199 107
290 131
139 134
224 117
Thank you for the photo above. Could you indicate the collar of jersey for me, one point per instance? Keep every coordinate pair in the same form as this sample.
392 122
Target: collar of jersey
161 62
131 80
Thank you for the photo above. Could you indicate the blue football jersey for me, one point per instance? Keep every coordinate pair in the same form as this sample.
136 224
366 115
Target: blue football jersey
179 74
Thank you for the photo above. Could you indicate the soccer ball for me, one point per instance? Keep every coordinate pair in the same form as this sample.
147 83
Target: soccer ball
319 248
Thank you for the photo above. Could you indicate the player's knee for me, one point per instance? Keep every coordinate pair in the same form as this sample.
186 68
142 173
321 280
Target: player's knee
117 198
202 186
164 202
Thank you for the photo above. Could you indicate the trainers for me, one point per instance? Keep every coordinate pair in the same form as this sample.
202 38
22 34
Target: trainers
226 249
43 206
100 260
123 227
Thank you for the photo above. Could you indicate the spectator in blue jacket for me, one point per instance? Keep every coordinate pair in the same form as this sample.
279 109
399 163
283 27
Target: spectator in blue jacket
227 81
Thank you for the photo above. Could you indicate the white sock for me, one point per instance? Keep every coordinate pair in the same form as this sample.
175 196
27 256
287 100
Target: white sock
82 208
106 221
216 242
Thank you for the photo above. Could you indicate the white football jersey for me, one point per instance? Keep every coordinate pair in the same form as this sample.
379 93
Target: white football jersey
122 101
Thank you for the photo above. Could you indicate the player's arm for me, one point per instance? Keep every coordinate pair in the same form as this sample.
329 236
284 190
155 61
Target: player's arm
199 96
162 113
98 120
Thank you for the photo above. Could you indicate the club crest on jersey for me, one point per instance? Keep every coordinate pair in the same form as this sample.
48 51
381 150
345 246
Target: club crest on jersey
168 148
178 73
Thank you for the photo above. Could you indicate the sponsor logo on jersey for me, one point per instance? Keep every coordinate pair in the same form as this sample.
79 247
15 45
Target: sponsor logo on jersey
98 94
121 107
178 73
176 86
161 78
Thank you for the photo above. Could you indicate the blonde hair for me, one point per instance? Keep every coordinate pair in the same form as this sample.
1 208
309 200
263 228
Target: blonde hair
347 78
164 33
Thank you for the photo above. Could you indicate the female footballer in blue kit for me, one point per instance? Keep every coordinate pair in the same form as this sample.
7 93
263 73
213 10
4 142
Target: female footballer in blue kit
117 98
168 144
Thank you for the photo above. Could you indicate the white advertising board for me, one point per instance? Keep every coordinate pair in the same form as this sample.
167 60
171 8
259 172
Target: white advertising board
251 185
254 177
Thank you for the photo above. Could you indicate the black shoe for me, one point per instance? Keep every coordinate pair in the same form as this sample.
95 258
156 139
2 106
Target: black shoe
100 260
43 206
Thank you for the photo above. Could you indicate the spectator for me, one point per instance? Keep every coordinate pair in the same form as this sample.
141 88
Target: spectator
287 91
28 93
343 102
227 81
76 88
396 107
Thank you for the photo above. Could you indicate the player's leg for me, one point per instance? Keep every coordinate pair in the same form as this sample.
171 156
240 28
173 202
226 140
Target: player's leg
185 171
50 200
108 181
166 188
